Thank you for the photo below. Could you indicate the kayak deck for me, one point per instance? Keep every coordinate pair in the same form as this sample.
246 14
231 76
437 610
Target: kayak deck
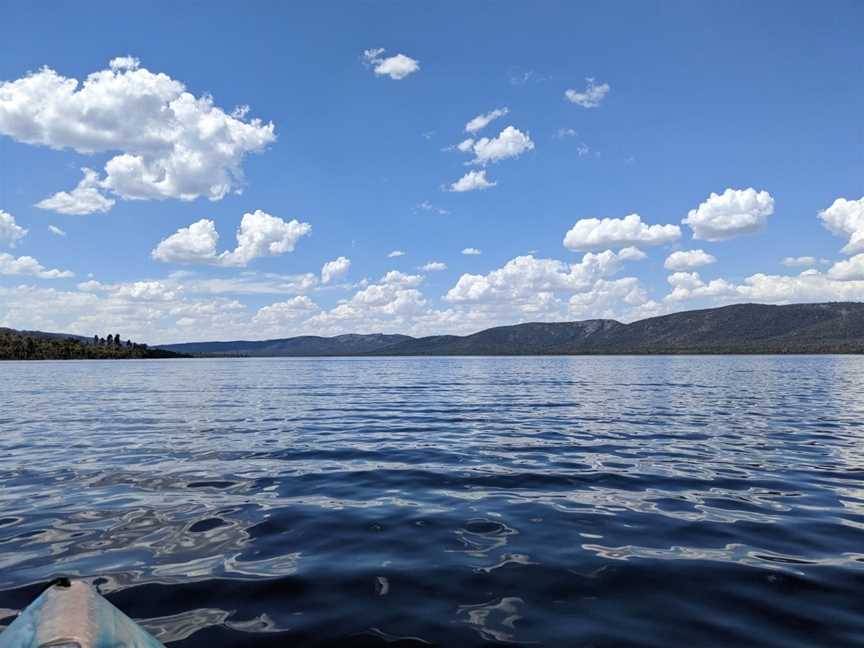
71 614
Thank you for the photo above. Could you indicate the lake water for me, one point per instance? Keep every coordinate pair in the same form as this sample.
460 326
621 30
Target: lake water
643 501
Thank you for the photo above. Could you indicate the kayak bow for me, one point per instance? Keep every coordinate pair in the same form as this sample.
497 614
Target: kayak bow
71 614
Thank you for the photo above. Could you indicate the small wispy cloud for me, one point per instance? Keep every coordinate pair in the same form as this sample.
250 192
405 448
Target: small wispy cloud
433 266
429 207
482 121
591 97
520 76
793 262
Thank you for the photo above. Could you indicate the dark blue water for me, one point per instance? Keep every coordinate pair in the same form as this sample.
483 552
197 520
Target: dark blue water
447 501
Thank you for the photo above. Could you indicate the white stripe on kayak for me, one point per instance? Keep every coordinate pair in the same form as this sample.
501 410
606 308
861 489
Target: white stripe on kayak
68 617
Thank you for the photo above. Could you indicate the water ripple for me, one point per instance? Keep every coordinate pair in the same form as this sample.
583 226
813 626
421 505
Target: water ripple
444 501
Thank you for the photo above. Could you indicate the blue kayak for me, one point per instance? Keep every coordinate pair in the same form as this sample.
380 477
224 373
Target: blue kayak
71 614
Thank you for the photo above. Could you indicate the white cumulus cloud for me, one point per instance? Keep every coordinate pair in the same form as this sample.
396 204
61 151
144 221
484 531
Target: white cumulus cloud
689 285
259 234
531 289
851 269
392 303
335 269
730 214
27 265
846 218
171 143
397 278
472 181
591 97
86 198
396 67
843 282
135 290
482 121
124 63
688 259
597 234
809 286
465 145
143 311
194 244
288 311
510 142
525 277
248 283
606 298
10 231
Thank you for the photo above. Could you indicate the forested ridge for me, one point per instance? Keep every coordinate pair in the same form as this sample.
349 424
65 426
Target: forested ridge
836 327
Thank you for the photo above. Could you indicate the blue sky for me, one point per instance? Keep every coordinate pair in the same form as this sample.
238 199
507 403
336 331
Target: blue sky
759 103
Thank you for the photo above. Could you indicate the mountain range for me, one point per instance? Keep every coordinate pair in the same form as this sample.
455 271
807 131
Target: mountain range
836 327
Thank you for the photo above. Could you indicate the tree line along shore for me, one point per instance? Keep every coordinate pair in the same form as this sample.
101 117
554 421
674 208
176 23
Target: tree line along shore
23 345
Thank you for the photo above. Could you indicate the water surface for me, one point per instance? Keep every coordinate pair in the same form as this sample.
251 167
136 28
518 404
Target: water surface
642 501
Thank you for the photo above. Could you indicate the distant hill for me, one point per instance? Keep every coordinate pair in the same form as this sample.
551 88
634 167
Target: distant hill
306 345
39 345
45 334
519 339
743 328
